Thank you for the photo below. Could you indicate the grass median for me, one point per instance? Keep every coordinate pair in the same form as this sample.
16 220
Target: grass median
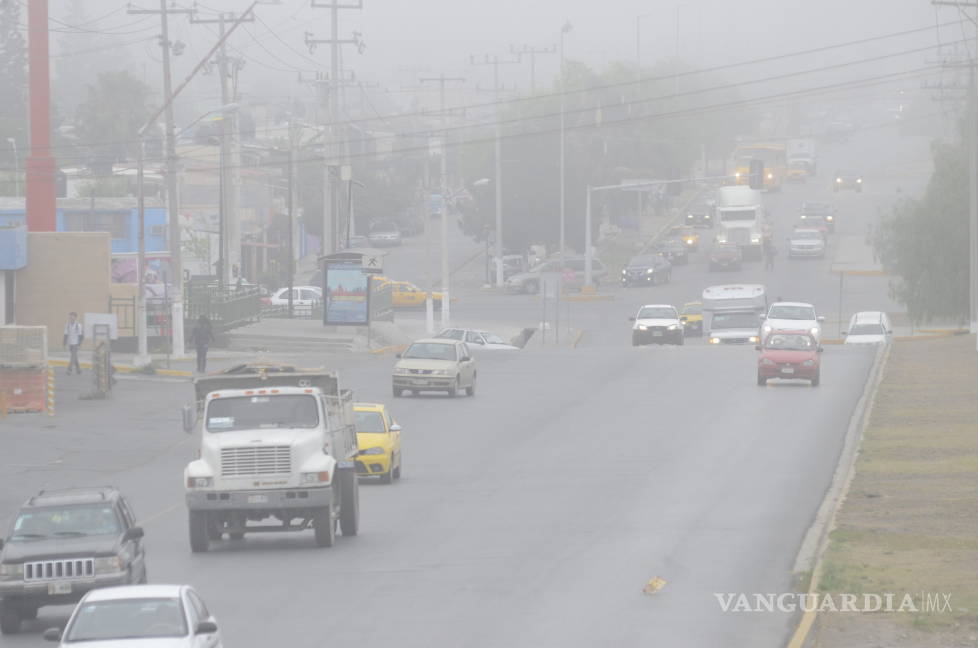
909 523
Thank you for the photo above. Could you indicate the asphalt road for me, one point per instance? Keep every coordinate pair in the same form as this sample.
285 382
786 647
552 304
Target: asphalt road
530 515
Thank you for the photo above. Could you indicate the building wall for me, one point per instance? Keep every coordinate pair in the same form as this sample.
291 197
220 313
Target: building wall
127 240
66 271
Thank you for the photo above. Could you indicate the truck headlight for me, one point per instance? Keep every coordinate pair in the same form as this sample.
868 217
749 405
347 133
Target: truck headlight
200 482
9 572
110 565
376 450
314 478
813 330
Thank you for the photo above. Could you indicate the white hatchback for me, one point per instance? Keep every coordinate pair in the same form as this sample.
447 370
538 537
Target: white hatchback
140 615
868 327
792 316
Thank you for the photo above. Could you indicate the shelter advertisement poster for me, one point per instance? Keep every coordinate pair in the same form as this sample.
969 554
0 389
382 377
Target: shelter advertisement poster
346 294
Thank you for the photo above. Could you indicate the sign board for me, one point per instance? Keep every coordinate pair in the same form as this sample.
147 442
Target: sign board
346 294
13 248
105 319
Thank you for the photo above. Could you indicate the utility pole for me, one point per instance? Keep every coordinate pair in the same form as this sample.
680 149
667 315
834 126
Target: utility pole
329 225
229 173
445 275
971 132
563 91
532 52
495 62
173 208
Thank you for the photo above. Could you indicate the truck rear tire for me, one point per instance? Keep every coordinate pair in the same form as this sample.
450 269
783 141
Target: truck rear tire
324 527
199 540
350 500
9 619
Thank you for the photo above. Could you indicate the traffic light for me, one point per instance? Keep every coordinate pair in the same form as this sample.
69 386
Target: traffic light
756 174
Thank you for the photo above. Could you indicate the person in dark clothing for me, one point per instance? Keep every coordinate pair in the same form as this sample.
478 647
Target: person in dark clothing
202 336
769 253
74 336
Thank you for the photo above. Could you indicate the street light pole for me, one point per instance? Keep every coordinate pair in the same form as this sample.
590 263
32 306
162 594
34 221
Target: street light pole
13 144
587 240
142 351
563 89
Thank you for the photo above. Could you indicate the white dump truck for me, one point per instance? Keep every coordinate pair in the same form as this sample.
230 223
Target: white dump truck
734 313
277 453
740 212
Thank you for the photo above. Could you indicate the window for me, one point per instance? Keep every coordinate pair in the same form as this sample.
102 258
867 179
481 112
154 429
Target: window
66 522
198 605
473 338
452 334
311 295
127 619
431 351
114 222
370 422
262 412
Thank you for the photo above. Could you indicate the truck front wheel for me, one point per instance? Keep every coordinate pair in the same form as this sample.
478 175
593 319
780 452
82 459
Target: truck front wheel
350 500
324 526
199 532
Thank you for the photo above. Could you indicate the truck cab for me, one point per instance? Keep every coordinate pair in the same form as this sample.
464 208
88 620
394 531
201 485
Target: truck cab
277 452
740 212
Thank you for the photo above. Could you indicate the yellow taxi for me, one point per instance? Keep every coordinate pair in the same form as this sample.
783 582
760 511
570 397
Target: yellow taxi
689 236
379 440
692 318
405 294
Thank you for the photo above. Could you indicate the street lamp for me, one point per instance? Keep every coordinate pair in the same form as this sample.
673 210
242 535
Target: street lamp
13 144
563 90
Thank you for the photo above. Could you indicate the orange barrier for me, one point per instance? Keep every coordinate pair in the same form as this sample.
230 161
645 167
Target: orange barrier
24 390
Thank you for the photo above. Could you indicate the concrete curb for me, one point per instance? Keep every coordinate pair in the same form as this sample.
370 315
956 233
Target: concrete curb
816 538
127 369
397 348
587 298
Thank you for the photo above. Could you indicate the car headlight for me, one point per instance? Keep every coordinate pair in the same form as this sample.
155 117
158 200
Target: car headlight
737 175
813 330
770 176
714 340
838 180
624 272
643 327
828 218
9 572
441 372
200 482
689 241
706 216
859 180
314 477
755 240
803 216
650 271
110 565
767 328
753 339
767 361
808 363
376 450
675 327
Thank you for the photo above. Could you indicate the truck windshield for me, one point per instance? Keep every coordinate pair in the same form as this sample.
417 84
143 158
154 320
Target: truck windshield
733 215
265 411
735 321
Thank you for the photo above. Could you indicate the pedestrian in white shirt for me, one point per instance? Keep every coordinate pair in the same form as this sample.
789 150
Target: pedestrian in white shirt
74 335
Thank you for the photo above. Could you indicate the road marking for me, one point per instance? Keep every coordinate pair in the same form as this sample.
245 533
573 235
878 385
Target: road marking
159 514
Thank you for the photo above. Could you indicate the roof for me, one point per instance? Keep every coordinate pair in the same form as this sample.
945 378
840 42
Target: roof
61 497
868 316
134 591
369 407
658 306
436 341
790 303
731 291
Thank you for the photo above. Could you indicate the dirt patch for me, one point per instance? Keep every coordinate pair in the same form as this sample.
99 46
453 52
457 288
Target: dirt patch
910 521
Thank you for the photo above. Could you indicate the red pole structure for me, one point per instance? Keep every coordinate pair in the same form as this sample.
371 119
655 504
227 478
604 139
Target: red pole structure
41 203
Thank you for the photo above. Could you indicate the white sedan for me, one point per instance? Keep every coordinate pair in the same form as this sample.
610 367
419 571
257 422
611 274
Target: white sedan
302 296
478 340
140 615
868 327
792 316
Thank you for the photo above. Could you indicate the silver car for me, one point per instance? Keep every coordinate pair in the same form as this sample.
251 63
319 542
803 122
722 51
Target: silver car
435 364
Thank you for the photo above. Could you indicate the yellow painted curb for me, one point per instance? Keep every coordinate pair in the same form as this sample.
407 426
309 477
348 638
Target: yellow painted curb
588 298
577 339
389 349
126 368
861 273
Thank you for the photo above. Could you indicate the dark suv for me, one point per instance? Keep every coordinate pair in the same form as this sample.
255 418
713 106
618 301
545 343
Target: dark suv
64 543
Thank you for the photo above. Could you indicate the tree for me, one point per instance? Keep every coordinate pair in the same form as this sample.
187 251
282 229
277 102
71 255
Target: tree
13 77
109 119
924 243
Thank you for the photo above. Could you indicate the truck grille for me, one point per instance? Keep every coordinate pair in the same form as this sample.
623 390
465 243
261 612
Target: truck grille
260 460
44 570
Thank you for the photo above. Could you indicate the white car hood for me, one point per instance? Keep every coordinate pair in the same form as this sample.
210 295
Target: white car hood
656 322
155 642
806 242
865 339
792 325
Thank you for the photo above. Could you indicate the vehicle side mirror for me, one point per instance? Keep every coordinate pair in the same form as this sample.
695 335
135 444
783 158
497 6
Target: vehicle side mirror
395 428
398 355
821 349
189 418
757 347
134 533
52 634
206 627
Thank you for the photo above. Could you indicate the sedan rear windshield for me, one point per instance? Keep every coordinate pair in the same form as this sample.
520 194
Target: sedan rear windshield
867 329
792 312
431 351
263 411
789 342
